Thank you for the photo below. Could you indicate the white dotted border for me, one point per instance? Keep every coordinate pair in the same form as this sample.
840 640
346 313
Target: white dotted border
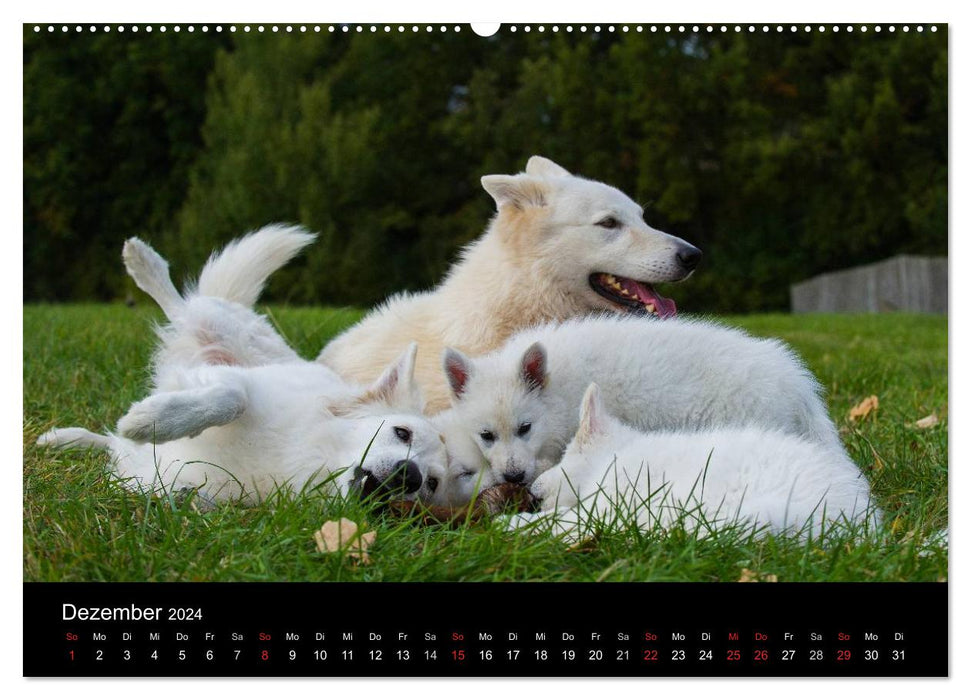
401 28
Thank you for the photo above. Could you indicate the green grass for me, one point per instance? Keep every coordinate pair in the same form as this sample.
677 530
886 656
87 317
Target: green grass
84 365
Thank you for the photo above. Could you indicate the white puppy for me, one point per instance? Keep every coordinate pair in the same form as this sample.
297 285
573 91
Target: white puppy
520 406
236 413
705 480
467 472
559 246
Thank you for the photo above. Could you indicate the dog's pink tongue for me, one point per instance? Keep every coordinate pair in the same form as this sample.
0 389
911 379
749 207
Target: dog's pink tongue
663 307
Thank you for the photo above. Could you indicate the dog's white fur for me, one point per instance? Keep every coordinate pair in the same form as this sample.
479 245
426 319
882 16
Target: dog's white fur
765 479
656 375
531 266
467 471
214 323
236 413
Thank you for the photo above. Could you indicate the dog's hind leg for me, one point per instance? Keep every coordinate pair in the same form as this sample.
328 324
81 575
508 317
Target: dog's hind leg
65 438
172 415
151 273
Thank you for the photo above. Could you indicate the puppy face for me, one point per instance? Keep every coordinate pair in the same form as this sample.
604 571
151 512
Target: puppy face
395 451
504 411
467 471
400 455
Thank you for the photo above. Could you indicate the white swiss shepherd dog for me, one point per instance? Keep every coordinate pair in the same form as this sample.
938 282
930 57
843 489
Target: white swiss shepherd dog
236 414
560 246
704 480
519 403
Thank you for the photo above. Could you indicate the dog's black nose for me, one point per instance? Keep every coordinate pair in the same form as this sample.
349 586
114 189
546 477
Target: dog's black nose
406 475
689 257
514 477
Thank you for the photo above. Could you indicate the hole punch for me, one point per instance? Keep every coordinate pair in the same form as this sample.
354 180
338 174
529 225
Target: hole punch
485 28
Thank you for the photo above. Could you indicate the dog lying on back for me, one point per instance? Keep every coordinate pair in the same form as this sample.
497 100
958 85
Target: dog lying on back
519 403
704 480
560 246
236 414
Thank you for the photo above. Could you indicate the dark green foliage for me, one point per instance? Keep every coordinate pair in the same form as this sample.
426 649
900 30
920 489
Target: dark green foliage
111 126
781 155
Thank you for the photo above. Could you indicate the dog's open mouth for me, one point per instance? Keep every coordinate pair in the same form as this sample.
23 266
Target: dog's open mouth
638 297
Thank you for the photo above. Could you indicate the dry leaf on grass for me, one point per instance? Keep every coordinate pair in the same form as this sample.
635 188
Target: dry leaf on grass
749 576
865 408
927 422
343 536
587 544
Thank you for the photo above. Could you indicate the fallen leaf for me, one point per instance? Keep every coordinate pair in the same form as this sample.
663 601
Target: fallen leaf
864 408
749 576
343 536
587 544
927 422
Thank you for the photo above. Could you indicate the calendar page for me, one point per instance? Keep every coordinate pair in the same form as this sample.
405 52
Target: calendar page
605 349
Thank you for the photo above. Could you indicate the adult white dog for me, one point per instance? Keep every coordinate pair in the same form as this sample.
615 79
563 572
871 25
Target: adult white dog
560 246
236 413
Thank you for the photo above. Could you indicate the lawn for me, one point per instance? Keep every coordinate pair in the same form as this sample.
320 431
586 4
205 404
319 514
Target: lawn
84 365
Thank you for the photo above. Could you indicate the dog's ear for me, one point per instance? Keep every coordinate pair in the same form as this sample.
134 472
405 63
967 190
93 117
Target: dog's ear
395 389
396 386
593 417
517 191
458 369
532 368
538 166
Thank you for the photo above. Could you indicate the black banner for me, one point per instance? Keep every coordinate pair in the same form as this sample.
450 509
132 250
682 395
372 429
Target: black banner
473 629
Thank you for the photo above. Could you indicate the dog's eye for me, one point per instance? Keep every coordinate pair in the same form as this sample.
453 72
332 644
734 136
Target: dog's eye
403 434
487 436
608 222
524 429
432 483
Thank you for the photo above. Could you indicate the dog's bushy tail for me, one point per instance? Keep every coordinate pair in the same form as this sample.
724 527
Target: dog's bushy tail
239 272
236 273
61 438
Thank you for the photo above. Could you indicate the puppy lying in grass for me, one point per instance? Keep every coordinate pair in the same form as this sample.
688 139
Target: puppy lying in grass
236 414
703 480
519 403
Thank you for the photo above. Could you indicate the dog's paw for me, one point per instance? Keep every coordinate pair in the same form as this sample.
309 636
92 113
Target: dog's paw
49 439
149 421
181 414
66 438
